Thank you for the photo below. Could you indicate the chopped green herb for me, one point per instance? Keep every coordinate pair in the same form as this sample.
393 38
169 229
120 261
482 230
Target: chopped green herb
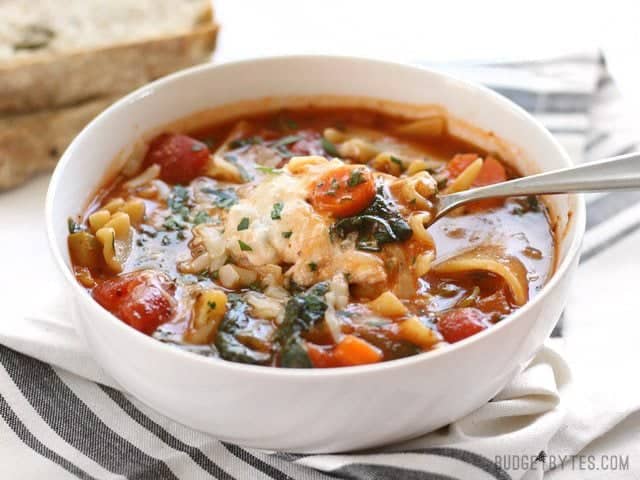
178 199
222 197
333 188
212 305
355 178
74 227
165 241
269 170
329 147
287 234
173 222
244 224
276 212
215 274
244 247
313 266
148 230
201 217
181 235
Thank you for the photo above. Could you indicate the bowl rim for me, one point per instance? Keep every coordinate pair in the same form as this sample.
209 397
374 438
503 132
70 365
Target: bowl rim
578 218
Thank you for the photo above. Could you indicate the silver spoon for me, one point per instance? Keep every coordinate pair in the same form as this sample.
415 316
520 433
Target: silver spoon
616 173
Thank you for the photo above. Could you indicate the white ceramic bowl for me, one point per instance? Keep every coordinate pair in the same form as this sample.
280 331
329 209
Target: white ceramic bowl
319 410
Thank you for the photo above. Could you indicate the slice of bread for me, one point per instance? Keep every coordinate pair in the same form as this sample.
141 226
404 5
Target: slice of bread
59 67
52 56
33 142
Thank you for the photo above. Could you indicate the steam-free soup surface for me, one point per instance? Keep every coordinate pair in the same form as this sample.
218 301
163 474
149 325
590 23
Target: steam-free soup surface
297 239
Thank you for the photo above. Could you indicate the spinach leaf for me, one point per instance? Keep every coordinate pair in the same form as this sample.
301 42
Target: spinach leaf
302 312
378 224
230 348
293 354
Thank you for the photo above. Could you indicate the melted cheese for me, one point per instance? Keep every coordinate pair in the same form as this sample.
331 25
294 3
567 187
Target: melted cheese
309 250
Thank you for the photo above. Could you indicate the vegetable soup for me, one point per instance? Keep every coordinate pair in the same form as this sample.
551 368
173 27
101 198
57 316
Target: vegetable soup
296 238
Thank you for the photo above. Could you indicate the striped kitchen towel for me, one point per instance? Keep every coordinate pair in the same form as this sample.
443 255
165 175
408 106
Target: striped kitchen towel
61 417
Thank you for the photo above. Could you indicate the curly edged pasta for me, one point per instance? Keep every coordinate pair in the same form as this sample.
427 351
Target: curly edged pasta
303 238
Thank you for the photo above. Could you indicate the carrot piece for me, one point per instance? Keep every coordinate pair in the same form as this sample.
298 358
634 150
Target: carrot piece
321 357
354 351
344 191
492 172
459 163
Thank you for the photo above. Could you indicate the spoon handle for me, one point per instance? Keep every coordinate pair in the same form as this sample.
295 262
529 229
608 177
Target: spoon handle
616 173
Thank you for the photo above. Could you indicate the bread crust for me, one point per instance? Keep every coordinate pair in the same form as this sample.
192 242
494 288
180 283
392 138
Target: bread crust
46 83
32 143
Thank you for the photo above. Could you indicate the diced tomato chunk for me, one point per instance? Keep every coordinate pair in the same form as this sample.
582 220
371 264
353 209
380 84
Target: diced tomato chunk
459 163
492 171
141 299
180 157
460 323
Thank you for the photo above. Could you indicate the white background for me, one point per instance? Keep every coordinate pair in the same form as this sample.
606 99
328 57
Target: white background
436 31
